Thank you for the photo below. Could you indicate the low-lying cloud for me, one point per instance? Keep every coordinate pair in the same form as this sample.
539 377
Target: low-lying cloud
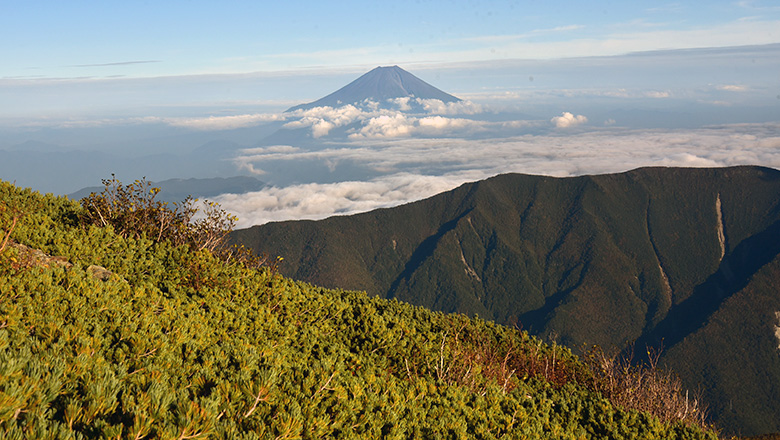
400 125
411 169
223 122
732 88
319 120
566 120
437 107
396 118
316 201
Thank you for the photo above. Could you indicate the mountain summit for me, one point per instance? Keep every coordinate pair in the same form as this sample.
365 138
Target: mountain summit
380 85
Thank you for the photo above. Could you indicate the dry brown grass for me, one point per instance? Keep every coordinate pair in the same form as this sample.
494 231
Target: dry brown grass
468 357
646 387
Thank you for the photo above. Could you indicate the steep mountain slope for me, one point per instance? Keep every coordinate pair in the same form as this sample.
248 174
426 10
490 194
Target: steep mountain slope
735 355
379 85
650 255
172 341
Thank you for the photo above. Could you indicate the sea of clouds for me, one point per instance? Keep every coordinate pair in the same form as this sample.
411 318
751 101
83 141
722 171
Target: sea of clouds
409 168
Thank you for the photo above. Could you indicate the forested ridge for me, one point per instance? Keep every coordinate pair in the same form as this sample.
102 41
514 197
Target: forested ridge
685 260
121 317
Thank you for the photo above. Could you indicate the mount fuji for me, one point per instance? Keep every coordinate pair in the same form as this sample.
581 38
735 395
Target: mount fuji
386 102
382 85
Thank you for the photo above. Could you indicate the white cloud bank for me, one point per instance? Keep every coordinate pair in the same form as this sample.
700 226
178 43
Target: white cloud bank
320 120
223 122
316 201
400 125
404 117
732 88
437 107
412 169
566 120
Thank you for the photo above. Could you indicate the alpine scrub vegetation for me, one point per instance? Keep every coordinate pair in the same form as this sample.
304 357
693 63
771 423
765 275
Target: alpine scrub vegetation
187 339
133 210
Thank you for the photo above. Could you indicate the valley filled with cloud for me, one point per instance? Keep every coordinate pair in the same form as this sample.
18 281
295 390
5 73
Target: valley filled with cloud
402 170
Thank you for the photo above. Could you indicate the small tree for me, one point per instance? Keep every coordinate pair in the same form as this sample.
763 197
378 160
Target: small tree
134 211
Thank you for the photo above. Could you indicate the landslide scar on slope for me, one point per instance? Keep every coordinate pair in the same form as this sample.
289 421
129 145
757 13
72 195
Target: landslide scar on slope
469 271
664 279
777 329
721 233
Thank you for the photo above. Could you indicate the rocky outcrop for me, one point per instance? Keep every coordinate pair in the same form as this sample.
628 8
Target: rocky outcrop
31 257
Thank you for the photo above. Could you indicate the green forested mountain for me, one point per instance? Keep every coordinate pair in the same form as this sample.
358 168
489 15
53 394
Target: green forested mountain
684 259
120 318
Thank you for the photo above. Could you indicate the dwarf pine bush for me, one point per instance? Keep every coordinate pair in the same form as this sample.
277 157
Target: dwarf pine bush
134 211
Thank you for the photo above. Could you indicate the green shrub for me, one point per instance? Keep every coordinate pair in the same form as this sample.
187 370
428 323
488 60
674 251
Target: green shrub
133 211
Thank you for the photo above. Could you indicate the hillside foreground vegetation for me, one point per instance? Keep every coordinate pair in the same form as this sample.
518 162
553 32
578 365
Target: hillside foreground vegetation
146 324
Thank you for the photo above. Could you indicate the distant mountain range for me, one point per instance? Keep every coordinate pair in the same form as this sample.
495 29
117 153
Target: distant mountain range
176 190
380 85
687 259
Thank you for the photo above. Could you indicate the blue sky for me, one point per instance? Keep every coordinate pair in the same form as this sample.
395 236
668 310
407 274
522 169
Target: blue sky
108 59
109 39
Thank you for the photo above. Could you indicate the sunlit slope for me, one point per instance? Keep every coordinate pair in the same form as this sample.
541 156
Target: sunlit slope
646 255
105 336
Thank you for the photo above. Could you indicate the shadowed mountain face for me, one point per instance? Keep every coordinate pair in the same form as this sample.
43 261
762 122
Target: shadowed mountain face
684 258
379 85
